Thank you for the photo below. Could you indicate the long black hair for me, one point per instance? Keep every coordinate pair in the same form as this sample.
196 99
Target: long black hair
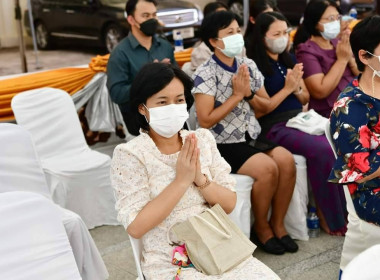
313 13
152 78
256 7
256 50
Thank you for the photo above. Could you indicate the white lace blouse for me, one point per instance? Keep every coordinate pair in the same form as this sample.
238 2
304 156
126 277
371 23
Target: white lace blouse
140 172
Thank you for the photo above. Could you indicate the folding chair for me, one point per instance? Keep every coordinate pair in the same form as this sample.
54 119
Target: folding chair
137 254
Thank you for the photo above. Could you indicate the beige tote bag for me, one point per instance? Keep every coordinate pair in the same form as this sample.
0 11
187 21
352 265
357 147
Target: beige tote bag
213 242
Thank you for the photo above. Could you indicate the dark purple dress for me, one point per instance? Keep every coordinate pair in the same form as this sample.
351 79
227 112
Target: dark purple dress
316 60
315 148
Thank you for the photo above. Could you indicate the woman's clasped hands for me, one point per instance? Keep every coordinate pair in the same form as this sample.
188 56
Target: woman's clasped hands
293 78
343 47
188 163
241 82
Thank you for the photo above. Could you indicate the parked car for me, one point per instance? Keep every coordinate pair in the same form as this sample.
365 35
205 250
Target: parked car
103 22
293 9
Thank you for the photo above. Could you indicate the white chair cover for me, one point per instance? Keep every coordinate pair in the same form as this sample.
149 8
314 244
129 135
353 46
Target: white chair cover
364 266
20 170
34 244
242 214
78 177
137 254
360 234
295 219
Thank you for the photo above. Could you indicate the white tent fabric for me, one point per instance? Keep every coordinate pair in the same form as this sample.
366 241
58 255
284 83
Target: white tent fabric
101 113
34 244
78 177
360 234
20 170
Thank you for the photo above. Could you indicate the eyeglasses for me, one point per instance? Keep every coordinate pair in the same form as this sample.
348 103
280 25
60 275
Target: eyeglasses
332 18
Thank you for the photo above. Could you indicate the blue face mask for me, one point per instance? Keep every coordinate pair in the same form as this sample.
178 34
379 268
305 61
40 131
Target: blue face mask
331 30
233 45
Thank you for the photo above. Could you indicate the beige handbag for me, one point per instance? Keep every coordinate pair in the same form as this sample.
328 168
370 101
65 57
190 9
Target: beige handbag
213 242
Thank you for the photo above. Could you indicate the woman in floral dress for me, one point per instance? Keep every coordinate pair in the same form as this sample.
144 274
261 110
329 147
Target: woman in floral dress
166 175
355 124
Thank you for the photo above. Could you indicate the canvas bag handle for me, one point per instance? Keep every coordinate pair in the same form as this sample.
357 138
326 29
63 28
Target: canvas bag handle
226 235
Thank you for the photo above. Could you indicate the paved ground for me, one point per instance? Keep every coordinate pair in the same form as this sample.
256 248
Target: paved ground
317 259
67 56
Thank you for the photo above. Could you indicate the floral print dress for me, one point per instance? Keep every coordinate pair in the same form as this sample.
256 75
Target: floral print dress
355 129
140 172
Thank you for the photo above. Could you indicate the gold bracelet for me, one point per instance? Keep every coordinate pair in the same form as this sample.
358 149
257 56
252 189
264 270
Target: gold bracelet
208 182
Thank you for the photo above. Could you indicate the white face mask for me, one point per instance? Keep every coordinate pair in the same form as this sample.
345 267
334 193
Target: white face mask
233 45
167 120
331 30
375 72
277 45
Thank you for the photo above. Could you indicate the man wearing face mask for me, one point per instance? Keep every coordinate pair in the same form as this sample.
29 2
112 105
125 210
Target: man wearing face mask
141 46
325 53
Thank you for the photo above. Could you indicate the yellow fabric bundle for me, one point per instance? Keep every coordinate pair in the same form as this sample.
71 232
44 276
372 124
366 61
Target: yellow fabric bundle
67 79
183 56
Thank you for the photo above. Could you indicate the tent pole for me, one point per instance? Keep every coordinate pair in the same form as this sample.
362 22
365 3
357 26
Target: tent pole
21 36
31 24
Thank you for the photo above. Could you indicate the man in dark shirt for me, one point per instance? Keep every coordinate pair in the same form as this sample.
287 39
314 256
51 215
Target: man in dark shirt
141 46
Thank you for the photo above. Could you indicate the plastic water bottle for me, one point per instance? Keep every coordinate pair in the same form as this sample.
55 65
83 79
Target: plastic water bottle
353 13
178 42
313 223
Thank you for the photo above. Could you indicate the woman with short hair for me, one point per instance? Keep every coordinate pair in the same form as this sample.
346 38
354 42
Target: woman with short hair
355 124
167 174
228 90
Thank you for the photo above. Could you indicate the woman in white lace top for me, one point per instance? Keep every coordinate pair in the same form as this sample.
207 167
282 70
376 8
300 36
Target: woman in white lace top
165 175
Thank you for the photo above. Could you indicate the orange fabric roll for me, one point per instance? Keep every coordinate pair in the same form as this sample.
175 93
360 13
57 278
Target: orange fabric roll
68 79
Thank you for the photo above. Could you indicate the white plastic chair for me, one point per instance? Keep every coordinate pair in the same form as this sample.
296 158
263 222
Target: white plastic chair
78 177
20 170
137 254
34 244
360 234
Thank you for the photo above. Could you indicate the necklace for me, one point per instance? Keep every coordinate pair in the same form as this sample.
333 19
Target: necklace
373 89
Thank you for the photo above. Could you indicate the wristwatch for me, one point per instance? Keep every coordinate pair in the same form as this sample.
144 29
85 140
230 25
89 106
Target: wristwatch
247 98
